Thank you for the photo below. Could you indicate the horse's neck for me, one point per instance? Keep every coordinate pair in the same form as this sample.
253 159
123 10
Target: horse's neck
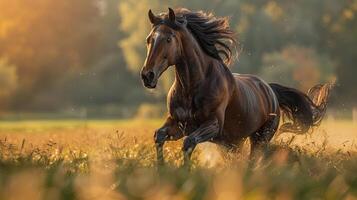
188 76
192 68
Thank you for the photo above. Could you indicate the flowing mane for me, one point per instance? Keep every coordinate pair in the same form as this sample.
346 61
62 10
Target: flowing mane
212 33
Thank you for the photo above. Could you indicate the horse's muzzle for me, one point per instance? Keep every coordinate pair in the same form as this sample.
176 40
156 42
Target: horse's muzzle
149 79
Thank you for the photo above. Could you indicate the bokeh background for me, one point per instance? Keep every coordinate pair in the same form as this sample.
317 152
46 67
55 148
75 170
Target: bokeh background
70 86
81 59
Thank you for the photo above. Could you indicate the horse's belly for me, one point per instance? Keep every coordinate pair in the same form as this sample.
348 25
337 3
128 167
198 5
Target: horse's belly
239 125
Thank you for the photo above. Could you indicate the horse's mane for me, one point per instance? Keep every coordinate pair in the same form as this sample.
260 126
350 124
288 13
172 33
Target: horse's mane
212 33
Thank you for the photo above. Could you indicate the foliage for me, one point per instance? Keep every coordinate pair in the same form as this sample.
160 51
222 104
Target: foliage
44 44
53 45
297 67
8 81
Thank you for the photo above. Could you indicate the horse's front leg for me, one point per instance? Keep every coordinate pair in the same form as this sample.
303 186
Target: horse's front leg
169 131
207 131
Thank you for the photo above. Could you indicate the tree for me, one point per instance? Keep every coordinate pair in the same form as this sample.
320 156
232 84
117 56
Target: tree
44 39
297 67
8 82
340 25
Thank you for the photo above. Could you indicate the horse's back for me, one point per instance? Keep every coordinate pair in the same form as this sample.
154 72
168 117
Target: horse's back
254 89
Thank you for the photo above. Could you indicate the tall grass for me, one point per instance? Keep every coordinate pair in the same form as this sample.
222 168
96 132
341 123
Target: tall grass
109 162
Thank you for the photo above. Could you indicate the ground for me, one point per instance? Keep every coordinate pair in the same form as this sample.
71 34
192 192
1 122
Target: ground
103 159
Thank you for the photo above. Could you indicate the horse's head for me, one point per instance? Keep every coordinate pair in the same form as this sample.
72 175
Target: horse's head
163 47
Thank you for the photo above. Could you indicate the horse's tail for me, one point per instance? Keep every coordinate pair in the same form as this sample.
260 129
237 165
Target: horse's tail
303 110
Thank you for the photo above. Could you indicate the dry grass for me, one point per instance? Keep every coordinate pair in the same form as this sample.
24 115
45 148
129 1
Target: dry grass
115 160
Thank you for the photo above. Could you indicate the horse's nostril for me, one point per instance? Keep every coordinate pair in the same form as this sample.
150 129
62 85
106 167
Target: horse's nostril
143 77
150 76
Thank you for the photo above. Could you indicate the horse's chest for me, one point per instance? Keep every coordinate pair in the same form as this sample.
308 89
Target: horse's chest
182 114
185 119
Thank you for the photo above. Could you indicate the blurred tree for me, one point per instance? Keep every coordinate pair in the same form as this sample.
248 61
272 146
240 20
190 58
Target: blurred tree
339 21
297 67
104 83
135 25
8 82
86 52
44 39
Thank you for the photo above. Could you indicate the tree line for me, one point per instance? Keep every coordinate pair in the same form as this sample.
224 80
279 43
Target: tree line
57 55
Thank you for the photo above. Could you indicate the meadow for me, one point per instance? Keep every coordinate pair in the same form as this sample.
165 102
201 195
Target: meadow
115 159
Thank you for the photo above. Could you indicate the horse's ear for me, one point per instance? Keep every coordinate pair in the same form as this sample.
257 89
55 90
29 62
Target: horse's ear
152 17
172 16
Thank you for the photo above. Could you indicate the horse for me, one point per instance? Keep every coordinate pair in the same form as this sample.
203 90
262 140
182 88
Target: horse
209 103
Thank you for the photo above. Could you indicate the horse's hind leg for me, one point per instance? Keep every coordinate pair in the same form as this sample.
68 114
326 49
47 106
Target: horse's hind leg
261 138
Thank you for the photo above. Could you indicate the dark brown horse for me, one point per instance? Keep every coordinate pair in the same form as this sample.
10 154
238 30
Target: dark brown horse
209 103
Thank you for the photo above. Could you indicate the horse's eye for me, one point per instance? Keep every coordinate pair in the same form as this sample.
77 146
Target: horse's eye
168 39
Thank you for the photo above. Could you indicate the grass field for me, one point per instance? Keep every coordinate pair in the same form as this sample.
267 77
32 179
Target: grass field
104 159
